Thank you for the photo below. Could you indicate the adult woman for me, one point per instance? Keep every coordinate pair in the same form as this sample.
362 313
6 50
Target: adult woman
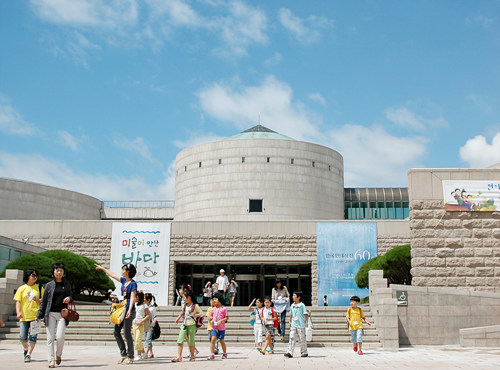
57 296
279 293
128 291
28 299
190 310
207 293
233 288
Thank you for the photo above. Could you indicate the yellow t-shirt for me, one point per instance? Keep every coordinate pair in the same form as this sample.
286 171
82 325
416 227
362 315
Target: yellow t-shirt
355 315
209 326
25 295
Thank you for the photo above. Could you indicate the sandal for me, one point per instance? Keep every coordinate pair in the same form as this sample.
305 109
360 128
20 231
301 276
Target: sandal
52 365
177 359
58 360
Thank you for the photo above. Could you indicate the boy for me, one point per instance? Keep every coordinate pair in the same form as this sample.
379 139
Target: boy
218 318
299 322
354 316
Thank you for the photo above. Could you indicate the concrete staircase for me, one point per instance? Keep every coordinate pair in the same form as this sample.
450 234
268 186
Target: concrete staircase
94 327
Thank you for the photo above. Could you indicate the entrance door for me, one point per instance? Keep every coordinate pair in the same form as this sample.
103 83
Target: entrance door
249 287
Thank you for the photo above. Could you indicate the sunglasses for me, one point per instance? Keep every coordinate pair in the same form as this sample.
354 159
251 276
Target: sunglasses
34 275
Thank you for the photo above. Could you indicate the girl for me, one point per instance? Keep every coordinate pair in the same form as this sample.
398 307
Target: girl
141 324
258 323
207 293
28 299
57 296
150 301
270 318
128 291
190 311
233 287
280 291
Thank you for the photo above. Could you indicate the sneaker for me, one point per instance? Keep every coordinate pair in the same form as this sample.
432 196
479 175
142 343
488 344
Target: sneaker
138 358
263 352
360 352
196 351
128 361
151 355
224 356
271 352
211 357
27 358
289 355
355 348
187 356
144 356
304 355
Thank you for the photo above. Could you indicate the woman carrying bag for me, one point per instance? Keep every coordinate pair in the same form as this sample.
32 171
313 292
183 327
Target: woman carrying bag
57 295
128 291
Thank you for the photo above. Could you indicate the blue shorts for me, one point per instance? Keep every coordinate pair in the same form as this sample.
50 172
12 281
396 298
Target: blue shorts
219 334
356 336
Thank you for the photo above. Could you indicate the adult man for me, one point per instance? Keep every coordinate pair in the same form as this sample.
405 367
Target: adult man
222 283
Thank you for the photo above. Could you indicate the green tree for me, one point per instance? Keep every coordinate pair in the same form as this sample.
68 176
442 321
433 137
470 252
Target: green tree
396 264
42 264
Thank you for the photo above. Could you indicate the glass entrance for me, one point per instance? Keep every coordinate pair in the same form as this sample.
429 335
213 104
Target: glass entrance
254 280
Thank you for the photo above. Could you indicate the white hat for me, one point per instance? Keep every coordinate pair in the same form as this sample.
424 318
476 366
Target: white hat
222 270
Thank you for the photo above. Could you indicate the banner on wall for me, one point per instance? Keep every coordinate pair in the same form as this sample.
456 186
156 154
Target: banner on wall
474 196
147 246
342 247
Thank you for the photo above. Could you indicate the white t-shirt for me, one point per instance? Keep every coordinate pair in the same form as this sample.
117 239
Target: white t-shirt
267 314
222 282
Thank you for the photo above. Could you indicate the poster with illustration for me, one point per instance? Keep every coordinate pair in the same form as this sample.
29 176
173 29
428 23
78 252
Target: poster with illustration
147 246
342 248
473 196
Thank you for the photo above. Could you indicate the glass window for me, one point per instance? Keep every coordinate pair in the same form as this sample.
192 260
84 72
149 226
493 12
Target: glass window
255 205
406 209
220 160
197 269
270 270
381 210
268 159
398 211
291 161
199 164
281 269
390 210
242 159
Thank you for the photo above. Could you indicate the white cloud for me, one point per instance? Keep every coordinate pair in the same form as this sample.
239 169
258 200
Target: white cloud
406 118
274 60
179 13
87 13
477 153
138 146
47 171
272 101
12 122
307 30
68 140
373 156
480 102
480 20
317 97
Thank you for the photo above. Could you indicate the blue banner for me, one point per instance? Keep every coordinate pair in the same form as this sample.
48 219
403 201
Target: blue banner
342 248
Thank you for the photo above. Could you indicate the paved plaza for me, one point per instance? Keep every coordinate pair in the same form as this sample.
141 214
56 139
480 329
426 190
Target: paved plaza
421 357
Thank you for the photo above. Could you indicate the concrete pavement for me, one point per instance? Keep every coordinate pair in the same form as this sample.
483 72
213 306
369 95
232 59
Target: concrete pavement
323 358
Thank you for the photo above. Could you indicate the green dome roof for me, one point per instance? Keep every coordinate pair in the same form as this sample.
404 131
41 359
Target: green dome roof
259 132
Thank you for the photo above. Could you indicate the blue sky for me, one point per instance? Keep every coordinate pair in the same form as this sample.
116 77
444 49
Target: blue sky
99 96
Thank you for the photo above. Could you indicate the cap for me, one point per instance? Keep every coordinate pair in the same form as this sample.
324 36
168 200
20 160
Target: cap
222 270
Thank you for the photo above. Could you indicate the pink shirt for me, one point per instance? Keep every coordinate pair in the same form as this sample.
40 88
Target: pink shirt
219 313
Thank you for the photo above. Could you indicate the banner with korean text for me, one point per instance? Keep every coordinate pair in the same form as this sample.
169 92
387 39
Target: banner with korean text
471 195
342 248
147 246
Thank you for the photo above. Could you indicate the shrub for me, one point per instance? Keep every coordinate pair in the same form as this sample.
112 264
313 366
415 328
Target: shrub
80 271
396 265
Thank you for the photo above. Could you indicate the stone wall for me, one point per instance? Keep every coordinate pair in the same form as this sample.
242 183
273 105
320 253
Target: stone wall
454 249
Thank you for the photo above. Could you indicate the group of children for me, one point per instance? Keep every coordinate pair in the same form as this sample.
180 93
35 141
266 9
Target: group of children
144 324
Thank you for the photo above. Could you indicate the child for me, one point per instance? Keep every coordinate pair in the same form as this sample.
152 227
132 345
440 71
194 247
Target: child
299 318
325 300
258 323
150 301
2 324
209 326
354 316
140 324
190 311
218 317
270 318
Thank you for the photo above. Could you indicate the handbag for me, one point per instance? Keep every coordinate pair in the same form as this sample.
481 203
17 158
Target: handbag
118 312
156 331
70 313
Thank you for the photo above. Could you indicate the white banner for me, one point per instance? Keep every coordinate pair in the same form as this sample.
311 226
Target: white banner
147 246
467 195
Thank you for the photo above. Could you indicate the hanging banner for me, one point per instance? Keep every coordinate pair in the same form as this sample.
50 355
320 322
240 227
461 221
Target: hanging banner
147 246
474 196
342 247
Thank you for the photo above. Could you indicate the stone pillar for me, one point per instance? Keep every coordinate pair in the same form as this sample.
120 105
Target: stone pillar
384 310
8 285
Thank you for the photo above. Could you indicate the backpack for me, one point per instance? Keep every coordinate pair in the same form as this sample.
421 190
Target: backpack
277 321
156 331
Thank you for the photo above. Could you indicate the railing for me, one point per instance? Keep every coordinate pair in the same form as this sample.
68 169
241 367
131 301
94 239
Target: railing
139 204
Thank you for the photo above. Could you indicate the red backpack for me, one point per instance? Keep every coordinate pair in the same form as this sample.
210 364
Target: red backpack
276 322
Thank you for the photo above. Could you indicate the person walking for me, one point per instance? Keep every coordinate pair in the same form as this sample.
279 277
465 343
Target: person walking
57 295
222 283
190 311
281 299
152 306
207 293
28 298
141 324
233 289
128 291
299 318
